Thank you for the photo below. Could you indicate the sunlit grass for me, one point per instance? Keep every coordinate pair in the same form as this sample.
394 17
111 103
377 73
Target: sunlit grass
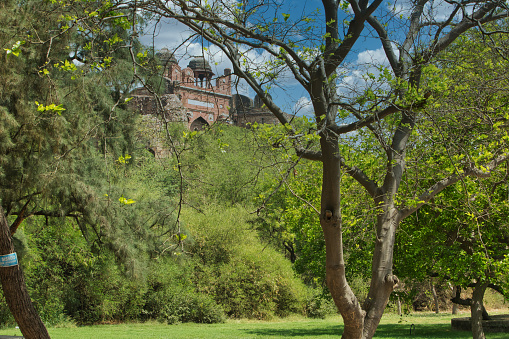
422 325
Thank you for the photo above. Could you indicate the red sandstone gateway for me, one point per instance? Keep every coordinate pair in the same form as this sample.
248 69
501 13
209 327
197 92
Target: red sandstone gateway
191 97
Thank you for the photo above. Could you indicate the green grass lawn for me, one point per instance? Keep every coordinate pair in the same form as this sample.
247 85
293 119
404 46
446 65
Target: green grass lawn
424 325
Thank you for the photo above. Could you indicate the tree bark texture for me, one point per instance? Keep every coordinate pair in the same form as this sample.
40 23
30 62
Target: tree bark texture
476 310
330 220
16 292
383 281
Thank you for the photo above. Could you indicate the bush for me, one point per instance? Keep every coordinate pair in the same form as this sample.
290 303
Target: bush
103 293
192 307
172 298
320 306
248 279
6 318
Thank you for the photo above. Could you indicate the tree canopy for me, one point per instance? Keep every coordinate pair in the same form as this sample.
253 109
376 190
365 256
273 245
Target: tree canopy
379 130
389 107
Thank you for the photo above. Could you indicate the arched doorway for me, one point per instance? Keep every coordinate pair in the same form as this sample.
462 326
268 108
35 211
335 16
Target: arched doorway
198 124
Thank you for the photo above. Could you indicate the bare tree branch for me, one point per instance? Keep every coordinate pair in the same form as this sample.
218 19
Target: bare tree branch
482 15
386 44
377 116
361 177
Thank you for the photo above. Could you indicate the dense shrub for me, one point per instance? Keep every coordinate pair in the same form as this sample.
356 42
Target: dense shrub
6 318
246 278
171 296
229 273
192 307
319 306
104 293
68 277
224 270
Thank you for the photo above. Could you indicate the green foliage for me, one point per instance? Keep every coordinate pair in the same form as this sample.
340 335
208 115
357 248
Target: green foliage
290 221
320 306
464 238
51 154
222 165
71 280
460 234
15 49
171 297
6 317
192 307
245 277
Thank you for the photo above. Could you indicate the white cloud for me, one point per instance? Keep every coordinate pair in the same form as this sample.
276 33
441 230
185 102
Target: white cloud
165 33
172 35
363 72
436 10
372 57
303 107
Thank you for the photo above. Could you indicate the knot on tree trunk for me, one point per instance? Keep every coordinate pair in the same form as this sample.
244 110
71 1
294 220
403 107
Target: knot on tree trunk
392 280
330 218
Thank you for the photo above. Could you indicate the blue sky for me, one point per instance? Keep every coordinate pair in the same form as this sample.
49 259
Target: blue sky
366 55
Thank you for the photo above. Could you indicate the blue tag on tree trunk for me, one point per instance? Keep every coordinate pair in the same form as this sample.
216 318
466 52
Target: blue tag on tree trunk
8 260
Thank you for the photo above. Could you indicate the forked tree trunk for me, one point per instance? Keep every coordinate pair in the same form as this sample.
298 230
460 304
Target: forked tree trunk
15 290
359 322
476 310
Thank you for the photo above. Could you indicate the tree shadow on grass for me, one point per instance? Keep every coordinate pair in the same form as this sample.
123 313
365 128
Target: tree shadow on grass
408 331
419 331
335 330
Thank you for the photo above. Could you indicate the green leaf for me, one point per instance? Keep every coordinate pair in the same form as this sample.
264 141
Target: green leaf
125 201
124 159
51 107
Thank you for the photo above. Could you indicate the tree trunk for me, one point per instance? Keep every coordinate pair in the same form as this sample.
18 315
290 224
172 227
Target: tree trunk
400 313
485 315
476 310
15 290
455 306
383 281
330 220
435 296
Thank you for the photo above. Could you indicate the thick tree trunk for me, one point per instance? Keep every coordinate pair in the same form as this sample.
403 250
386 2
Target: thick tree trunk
15 290
476 310
383 281
330 220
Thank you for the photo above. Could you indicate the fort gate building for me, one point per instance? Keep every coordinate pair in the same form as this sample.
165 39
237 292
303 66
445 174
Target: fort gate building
203 100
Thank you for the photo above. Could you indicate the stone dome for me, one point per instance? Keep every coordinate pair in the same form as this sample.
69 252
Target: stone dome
241 102
258 103
199 64
165 56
